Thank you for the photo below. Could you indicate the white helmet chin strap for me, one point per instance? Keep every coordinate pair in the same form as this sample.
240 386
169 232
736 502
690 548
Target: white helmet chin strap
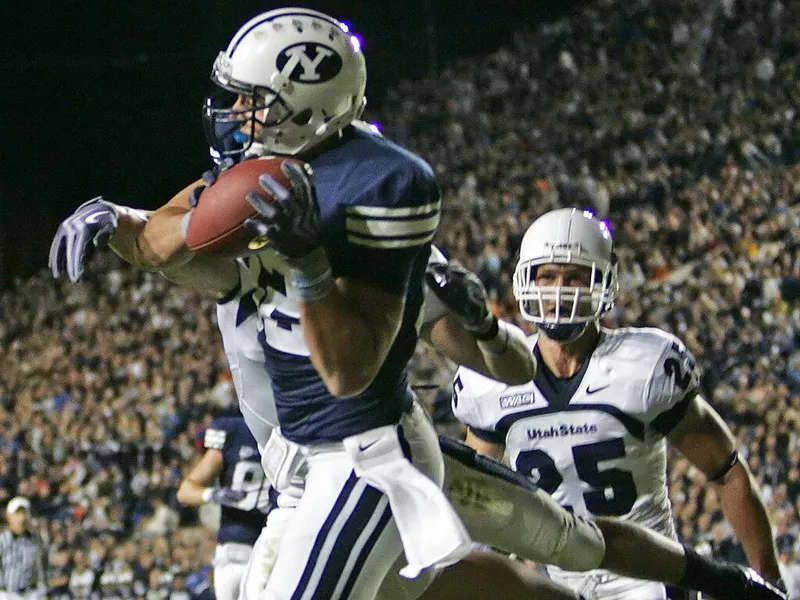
255 149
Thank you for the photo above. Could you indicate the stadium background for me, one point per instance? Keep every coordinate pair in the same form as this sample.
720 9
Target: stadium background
675 118
102 97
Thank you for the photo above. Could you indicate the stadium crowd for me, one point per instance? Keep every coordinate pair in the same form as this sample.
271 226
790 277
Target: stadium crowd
675 119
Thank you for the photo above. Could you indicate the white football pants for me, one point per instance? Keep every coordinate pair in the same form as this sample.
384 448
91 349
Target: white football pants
341 540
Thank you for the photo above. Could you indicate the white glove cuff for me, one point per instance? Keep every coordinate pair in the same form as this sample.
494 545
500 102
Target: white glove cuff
311 276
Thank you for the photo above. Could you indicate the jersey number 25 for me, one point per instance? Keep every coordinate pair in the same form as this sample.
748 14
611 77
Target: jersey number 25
613 490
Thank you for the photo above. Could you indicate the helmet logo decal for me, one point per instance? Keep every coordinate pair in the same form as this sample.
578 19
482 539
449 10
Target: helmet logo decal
309 62
569 246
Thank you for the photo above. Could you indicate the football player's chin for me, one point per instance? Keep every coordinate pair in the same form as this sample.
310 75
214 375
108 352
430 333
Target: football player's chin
550 312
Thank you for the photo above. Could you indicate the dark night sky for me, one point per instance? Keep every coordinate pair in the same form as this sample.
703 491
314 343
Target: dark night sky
101 97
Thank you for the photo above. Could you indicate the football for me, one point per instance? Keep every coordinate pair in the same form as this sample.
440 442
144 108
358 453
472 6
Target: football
217 222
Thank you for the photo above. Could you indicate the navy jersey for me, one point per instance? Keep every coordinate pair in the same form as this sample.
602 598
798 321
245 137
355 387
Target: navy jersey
379 208
241 471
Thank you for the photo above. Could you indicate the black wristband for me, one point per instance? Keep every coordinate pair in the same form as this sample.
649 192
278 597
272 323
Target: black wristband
489 334
729 464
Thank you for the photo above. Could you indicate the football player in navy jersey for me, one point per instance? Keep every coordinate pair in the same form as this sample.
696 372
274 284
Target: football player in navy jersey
334 298
230 474
343 277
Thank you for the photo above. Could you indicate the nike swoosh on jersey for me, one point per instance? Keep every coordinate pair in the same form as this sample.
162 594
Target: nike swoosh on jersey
589 389
363 447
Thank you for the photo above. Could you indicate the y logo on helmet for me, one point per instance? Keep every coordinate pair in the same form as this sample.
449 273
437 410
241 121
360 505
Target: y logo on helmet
309 63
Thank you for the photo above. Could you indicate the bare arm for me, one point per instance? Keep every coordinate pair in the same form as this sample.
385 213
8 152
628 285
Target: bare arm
153 240
491 449
506 357
203 474
160 245
349 333
706 441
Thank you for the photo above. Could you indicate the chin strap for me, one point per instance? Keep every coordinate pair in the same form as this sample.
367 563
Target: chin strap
564 332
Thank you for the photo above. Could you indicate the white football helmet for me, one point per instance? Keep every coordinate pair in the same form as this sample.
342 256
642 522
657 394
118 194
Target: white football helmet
304 69
566 236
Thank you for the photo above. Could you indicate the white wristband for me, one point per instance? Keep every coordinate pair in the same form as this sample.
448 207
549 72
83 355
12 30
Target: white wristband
311 276
135 213
499 343
138 214
185 224
207 494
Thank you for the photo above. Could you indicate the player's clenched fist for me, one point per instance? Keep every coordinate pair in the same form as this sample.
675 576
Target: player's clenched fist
463 294
289 218
93 222
224 496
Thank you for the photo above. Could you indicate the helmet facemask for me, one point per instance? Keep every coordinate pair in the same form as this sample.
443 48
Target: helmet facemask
572 304
564 312
232 131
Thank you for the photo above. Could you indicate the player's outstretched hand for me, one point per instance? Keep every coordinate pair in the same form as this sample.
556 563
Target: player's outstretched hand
463 294
289 218
227 497
93 222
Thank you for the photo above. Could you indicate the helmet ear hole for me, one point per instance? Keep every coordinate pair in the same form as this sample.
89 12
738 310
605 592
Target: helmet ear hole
303 117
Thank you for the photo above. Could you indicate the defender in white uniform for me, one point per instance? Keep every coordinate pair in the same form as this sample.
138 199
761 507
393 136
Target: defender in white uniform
592 427
596 441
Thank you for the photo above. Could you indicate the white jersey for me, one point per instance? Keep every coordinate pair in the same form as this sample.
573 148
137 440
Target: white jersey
238 322
598 443
237 319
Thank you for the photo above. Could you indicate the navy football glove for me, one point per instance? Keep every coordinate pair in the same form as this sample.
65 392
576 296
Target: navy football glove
759 588
93 222
290 220
227 496
288 217
464 295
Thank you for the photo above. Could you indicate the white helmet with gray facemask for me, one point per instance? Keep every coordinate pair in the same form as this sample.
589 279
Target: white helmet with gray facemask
567 236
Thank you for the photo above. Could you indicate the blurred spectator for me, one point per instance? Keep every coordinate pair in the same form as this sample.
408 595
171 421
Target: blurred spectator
675 119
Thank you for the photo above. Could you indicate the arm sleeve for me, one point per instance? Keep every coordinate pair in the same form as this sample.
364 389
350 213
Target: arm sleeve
385 229
672 386
471 406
